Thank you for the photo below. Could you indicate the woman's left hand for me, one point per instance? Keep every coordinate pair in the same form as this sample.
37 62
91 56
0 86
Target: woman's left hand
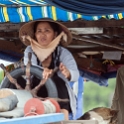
64 71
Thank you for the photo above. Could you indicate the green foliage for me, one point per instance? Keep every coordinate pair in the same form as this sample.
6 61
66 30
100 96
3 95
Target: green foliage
96 96
1 75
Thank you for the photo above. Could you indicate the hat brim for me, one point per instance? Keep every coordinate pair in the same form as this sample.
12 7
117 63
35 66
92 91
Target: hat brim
28 29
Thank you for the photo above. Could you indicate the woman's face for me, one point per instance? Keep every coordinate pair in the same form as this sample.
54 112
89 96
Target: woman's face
44 33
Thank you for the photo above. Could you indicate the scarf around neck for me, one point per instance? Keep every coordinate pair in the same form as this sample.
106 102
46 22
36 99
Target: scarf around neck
42 52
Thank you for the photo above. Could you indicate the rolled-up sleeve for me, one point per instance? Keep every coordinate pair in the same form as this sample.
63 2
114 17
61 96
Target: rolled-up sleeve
68 60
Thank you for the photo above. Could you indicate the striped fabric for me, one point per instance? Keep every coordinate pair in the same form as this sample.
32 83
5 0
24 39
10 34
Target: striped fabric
16 11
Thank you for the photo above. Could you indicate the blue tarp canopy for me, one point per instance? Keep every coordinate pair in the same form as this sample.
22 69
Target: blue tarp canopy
90 7
17 11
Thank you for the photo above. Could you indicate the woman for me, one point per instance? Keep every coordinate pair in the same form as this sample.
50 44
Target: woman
44 39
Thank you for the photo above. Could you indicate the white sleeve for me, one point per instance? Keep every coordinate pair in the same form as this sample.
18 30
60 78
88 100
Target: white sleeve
33 59
68 60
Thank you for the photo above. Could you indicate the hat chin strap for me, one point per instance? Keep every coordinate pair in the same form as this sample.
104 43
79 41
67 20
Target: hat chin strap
43 52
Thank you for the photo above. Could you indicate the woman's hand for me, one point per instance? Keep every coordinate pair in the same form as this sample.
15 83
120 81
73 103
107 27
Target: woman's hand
47 73
64 71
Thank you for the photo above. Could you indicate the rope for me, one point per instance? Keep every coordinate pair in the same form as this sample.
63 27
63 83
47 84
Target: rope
35 106
49 107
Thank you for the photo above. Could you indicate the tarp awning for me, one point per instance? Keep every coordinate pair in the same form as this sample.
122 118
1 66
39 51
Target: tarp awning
24 11
90 7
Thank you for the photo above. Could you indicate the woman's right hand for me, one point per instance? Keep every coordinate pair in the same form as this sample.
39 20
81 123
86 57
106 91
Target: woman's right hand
47 73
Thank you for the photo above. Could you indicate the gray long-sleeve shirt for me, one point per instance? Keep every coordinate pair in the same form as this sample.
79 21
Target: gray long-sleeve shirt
67 59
